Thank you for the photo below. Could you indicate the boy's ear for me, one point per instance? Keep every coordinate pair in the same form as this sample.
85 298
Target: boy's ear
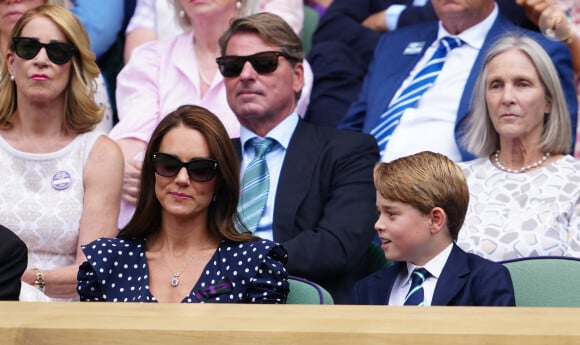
437 220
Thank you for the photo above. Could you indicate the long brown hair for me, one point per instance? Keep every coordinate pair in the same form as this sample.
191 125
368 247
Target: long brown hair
222 215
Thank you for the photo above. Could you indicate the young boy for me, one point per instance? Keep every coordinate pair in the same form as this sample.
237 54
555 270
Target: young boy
422 200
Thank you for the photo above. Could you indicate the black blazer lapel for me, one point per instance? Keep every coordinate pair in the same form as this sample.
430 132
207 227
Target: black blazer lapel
296 177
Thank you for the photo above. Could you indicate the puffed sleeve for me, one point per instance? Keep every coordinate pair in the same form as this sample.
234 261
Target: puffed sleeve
270 285
88 284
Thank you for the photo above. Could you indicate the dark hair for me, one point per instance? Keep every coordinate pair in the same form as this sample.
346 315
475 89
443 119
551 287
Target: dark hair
272 29
222 215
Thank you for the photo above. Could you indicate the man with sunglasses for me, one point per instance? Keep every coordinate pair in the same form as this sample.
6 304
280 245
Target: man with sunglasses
319 203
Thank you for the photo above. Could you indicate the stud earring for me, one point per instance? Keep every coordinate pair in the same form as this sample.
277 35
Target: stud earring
12 77
239 4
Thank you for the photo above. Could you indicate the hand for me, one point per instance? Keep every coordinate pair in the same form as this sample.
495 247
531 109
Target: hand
554 23
534 8
132 180
376 22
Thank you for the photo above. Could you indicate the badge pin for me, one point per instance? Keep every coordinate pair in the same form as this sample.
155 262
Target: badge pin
61 180
414 48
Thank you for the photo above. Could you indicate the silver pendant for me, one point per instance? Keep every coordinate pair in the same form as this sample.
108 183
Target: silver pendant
175 280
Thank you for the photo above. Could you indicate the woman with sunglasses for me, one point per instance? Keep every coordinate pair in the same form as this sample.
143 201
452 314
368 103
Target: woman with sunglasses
61 180
162 75
11 11
182 244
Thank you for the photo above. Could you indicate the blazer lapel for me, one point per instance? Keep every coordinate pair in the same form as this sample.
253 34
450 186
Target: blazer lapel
453 277
295 179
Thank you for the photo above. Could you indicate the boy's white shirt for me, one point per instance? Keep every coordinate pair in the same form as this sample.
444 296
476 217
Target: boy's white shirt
403 281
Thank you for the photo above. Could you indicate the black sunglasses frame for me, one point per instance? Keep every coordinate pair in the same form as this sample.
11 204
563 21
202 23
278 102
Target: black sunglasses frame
230 66
53 49
192 167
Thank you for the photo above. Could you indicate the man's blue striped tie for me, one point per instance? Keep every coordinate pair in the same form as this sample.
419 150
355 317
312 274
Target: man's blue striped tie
255 184
416 296
408 98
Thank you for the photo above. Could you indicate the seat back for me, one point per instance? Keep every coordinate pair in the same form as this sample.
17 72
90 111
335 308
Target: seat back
310 23
303 291
376 259
546 281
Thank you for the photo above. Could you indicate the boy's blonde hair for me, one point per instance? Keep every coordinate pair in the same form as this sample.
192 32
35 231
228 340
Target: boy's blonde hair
426 180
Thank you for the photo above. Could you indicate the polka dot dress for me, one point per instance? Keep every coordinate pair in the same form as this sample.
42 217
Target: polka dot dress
116 270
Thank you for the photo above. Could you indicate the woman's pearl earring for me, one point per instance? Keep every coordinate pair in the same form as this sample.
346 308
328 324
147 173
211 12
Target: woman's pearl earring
12 77
239 4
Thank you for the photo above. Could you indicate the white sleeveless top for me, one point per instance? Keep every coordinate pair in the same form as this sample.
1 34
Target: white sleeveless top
41 199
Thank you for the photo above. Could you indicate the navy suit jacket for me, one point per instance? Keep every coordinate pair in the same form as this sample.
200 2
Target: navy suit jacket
13 261
466 280
325 209
390 67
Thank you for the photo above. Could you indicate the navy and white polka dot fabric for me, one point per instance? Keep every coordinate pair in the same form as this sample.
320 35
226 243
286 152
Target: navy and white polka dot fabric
239 272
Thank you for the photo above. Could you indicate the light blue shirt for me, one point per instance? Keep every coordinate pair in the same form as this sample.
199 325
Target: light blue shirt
282 133
103 20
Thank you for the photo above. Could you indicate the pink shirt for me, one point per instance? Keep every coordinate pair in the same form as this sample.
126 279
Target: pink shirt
162 75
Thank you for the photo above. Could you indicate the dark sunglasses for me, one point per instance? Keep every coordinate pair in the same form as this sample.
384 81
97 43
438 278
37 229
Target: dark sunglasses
231 66
28 47
198 169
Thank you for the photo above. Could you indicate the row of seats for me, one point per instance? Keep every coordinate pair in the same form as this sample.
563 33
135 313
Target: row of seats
544 281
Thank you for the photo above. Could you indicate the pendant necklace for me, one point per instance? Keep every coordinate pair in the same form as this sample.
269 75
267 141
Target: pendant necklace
522 169
176 275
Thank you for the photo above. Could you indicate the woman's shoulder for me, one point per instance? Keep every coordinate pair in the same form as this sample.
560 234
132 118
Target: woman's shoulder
113 247
260 248
102 146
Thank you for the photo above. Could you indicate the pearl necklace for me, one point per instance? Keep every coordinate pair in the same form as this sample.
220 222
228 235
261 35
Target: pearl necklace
522 169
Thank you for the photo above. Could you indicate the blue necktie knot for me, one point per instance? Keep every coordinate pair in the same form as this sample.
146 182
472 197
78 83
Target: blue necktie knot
262 146
418 276
450 42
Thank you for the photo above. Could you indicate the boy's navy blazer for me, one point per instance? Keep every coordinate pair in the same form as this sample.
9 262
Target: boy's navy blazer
390 67
466 280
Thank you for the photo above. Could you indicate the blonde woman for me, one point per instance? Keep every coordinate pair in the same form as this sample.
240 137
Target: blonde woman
12 10
61 178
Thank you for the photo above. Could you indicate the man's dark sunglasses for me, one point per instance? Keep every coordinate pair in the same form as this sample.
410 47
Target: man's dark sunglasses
28 47
231 66
198 169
